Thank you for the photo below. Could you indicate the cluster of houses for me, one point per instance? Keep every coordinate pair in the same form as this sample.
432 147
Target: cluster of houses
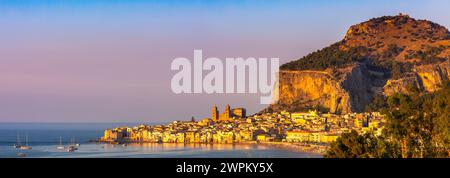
233 126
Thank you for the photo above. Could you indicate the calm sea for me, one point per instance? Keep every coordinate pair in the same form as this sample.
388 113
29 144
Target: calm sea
45 137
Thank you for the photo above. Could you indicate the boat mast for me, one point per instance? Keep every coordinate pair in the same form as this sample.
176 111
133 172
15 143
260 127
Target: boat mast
18 139
26 138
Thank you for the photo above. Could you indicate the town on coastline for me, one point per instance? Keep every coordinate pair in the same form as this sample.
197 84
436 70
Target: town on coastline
233 126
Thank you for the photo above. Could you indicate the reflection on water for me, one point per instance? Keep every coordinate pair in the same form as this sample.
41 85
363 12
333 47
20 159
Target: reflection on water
204 147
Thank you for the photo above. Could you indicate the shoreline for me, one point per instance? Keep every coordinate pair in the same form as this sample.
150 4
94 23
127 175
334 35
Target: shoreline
301 147
298 147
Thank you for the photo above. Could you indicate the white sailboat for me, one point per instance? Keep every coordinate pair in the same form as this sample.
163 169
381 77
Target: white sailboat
74 143
61 146
26 147
17 145
72 147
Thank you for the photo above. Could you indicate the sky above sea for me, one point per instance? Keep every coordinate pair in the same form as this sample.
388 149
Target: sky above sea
109 61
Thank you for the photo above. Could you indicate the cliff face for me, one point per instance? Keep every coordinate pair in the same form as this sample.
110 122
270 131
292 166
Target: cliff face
426 78
432 76
386 55
351 93
303 89
311 88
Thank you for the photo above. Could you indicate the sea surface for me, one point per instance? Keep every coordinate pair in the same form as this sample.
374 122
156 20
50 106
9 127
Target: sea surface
45 137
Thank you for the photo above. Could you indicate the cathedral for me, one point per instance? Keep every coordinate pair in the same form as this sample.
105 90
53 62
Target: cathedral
228 115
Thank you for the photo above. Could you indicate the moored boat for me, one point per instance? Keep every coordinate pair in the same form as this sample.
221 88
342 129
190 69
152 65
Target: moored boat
71 148
26 147
17 145
61 146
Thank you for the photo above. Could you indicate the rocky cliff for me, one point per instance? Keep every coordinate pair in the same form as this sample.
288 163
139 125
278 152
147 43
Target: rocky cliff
384 55
426 78
311 88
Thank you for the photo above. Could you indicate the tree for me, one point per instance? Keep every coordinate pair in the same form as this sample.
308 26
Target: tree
353 145
418 126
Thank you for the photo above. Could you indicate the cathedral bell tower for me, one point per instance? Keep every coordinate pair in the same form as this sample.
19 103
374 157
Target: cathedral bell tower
215 114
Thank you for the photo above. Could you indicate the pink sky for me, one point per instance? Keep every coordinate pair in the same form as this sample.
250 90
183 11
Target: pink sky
104 62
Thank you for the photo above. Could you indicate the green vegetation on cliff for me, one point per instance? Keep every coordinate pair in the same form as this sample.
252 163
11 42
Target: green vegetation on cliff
327 57
418 126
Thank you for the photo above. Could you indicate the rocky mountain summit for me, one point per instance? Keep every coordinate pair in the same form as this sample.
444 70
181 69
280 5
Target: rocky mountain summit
382 56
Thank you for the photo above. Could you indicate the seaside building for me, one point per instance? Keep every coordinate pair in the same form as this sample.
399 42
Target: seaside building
112 135
239 112
204 122
310 136
233 126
